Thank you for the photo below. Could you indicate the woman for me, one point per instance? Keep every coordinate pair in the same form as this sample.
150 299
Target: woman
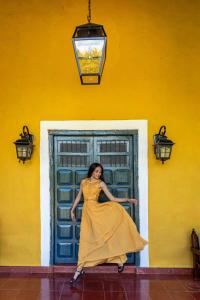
107 231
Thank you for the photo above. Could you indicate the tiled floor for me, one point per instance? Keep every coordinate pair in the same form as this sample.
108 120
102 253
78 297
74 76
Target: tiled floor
99 287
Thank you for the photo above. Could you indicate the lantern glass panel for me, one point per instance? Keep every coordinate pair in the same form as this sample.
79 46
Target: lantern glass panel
157 148
90 79
21 151
165 151
29 152
89 53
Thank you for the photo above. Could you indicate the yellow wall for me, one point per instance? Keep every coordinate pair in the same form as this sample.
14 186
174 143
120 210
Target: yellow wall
151 72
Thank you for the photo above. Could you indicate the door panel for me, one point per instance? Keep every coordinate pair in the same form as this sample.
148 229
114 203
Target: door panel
116 155
72 157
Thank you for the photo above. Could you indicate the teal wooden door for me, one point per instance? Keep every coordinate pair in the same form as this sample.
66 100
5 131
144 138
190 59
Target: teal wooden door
72 156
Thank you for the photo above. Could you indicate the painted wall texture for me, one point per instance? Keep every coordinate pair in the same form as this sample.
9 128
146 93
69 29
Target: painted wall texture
151 72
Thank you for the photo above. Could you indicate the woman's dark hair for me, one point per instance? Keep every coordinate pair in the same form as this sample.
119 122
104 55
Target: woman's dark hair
91 169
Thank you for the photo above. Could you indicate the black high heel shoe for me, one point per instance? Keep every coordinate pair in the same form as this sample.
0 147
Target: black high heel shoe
120 268
73 280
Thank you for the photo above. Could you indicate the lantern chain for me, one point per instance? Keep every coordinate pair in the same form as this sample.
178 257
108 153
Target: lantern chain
89 11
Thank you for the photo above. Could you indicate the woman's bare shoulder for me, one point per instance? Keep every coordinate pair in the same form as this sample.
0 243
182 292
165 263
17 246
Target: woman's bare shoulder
84 180
102 183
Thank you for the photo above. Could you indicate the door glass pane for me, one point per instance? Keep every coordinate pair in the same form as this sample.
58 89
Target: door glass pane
73 146
114 161
72 161
113 146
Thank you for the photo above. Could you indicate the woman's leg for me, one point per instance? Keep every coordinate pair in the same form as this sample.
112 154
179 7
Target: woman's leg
122 259
79 270
77 273
119 260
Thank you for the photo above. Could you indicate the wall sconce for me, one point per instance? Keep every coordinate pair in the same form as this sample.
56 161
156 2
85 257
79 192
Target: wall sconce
89 42
24 146
162 145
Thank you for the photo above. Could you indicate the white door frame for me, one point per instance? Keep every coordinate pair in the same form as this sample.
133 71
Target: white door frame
45 126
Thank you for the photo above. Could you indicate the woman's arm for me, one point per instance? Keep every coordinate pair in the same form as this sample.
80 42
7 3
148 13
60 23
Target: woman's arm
76 202
112 198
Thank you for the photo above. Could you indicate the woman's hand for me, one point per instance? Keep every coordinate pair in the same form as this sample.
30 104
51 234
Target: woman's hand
133 200
73 216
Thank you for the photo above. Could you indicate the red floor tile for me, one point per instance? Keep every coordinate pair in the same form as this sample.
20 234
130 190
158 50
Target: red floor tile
196 295
48 295
8 295
191 285
118 276
14 284
41 284
159 295
54 285
173 285
68 290
115 295
92 295
72 294
99 287
113 286
95 276
181 295
27 295
136 285
3 281
93 285
137 295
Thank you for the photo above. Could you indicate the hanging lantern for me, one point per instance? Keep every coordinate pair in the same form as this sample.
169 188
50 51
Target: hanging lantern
162 145
89 42
24 146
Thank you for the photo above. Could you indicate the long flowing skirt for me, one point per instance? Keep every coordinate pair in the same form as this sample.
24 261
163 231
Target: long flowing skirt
107 233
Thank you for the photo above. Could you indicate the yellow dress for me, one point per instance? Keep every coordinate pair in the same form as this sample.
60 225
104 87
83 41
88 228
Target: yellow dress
107 232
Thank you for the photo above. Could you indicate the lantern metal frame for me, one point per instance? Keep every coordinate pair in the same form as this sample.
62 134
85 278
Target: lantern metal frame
88 32
161 142
26 145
